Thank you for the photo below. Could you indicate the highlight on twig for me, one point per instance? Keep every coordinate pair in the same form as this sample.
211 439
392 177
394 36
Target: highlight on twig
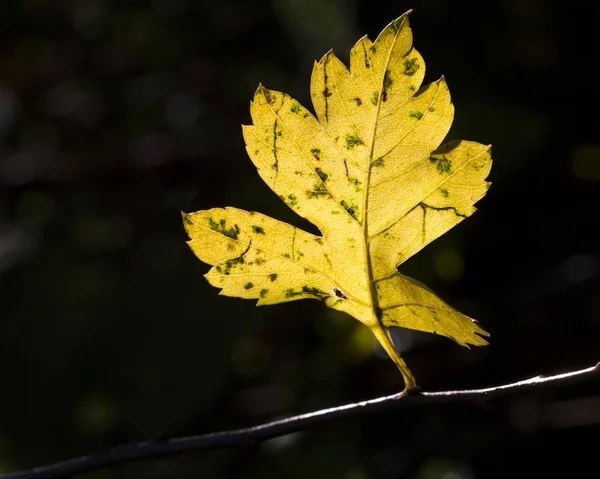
259 433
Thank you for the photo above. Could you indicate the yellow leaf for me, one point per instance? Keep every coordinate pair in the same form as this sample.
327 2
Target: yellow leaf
368 171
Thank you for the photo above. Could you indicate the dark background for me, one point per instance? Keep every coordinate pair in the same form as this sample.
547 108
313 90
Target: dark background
116 115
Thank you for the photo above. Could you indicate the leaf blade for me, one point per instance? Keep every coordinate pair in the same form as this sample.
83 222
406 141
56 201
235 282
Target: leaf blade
368 170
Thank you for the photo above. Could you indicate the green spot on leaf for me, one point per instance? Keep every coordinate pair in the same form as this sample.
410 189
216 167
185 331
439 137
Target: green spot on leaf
411 66
352 141
295 107
258 230
319 191
444 166
230 263
273 277
290 293
356 183
221 227
292 200
477 166
248 286
444 192
351 209
375 98
263 292
379 162
387 79
322 174
316 292
316 153
387 82
416 115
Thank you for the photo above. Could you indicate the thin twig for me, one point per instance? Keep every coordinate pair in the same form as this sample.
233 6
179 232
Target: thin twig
256 434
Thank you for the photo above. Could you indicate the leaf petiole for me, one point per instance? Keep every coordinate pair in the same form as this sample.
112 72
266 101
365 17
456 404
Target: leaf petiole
385 339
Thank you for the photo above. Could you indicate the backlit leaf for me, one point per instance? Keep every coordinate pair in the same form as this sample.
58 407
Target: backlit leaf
368 170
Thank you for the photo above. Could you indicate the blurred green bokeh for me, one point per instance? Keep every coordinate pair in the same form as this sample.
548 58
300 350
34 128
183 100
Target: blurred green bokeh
117 115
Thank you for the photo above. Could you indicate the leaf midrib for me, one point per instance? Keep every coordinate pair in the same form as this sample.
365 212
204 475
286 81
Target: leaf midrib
366 243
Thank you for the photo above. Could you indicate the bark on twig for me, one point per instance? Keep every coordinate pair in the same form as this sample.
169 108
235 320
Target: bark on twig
256 434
